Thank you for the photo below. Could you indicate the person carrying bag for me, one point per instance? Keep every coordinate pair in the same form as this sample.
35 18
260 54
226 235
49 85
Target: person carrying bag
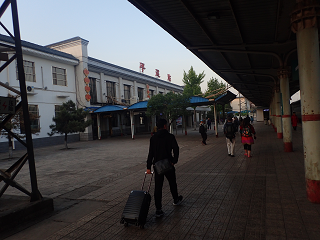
162 144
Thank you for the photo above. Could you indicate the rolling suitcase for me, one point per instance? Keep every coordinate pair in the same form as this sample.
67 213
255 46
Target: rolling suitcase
137 206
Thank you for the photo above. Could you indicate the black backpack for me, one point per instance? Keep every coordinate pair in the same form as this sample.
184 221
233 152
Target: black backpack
230 130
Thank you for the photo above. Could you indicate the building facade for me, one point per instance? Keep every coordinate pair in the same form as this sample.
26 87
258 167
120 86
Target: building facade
64 71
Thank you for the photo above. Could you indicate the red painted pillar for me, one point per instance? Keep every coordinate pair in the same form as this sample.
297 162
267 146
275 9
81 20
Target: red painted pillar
286 112
304 24
278 113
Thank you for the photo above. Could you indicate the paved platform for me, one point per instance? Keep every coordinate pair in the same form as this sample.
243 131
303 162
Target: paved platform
263 197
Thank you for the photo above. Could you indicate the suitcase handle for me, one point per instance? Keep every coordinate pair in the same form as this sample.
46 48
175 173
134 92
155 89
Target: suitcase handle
145 175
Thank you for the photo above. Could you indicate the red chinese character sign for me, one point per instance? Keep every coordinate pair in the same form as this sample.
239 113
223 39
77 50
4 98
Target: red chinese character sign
148 91
87 81
157 73
169 77
142 68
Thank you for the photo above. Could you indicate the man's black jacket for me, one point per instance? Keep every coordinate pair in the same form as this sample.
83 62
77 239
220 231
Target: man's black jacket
162 143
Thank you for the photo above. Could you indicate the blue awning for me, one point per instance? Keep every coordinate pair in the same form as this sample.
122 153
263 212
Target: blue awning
111 108
200 101
139 105
90 109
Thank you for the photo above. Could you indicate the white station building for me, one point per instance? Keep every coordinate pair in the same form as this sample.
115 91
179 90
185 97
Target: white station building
64 71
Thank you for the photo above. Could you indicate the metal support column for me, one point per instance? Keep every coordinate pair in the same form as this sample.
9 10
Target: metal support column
215 119
35 194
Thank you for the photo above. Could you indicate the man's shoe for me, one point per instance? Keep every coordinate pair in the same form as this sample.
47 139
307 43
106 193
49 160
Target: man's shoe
229 154
232 155
159 213
177 201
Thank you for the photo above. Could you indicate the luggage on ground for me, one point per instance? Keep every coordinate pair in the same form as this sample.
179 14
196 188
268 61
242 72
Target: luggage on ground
137 206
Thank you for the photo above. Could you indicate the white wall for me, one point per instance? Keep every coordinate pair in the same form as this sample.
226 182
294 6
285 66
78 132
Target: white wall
260 117
46 99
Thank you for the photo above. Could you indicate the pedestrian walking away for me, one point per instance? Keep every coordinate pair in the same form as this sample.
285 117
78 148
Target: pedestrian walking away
229 130
209 124
294 121
162 145
203 131
251 119
247 131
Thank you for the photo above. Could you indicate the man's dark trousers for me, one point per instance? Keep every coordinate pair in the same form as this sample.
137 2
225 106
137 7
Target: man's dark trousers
158 179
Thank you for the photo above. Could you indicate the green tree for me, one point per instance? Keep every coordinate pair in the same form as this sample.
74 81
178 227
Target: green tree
192 87
69 120
169 106
192 82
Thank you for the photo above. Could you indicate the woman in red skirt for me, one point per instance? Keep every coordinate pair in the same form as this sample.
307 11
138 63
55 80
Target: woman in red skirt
247 134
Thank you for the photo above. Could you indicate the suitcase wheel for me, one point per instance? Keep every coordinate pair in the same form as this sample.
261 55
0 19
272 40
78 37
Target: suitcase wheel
126 224
141 226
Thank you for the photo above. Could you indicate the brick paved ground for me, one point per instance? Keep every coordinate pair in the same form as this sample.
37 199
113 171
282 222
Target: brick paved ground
224 198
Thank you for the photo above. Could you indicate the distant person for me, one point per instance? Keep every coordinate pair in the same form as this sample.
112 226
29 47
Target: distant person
162 144
247 133
203 131
229 130
251 119
294 121
209 124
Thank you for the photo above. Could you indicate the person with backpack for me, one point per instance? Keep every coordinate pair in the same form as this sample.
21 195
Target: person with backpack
229 130
203 131
247 134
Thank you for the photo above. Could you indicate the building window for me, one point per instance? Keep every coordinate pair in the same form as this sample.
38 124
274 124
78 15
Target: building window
151 93
127 94
93 90
34 120
59 76
29 71
161 93
56 110
111 91
140 94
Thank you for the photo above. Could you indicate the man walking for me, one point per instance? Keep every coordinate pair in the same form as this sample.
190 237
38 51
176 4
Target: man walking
209 124
162 144
229 130
203 132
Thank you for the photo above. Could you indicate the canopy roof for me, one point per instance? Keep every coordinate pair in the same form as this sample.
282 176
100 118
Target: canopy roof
225 98
139 105
110 108
245 42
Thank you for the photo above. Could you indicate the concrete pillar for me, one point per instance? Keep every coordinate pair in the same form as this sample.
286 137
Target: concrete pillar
278 115
120 91
274 114
305 26
286 112
102 89
132 124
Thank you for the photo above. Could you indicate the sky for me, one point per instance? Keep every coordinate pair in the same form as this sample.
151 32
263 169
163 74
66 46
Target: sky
117 32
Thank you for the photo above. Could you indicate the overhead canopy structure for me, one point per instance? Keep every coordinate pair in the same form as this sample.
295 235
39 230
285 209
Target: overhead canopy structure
245 42
225 98
139 106
110 108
